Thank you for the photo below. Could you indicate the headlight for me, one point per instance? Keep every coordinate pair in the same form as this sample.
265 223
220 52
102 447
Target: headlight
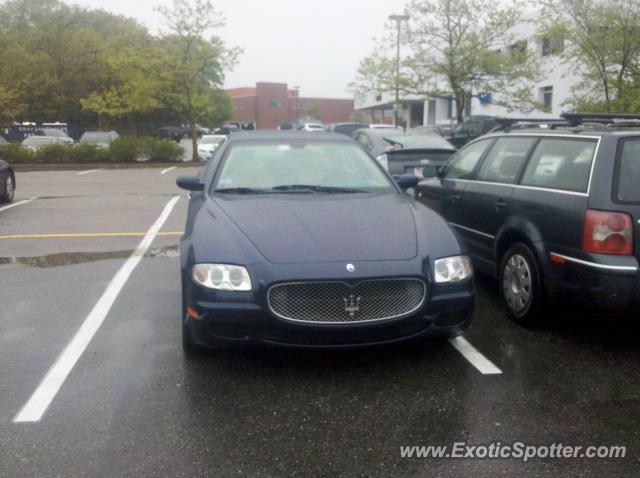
222 277
453 269
384 162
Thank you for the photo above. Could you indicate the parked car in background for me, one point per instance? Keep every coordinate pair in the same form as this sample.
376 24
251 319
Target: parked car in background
208 144
54 133
311 127
299 239
100 139
200 131
553 214
405 153
471 128
36 142
227 129
7 182
347 128
383 126
286 126
170 132
426 130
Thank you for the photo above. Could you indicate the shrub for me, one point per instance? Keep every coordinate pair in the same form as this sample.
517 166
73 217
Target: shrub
88 153
163 150
127 149
53 153
15 153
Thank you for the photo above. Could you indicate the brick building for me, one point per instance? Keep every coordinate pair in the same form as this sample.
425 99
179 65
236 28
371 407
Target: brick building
268 105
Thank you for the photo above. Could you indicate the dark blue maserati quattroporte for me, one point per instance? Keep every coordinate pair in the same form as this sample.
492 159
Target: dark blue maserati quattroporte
302 239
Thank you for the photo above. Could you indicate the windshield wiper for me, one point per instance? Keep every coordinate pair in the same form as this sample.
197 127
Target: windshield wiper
318 189
242 191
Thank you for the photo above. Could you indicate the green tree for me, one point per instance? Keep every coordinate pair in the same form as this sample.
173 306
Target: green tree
186 65
313 110
53 55
602 42
455 47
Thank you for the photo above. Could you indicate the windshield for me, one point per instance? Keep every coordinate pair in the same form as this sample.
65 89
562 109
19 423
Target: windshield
423 141
268 165
96 138
629 172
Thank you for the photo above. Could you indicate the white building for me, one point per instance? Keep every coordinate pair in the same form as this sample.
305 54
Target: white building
552 91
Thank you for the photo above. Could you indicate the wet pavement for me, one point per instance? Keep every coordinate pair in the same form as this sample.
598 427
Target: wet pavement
133 405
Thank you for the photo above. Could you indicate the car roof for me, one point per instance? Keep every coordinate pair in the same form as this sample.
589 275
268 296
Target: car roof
286 135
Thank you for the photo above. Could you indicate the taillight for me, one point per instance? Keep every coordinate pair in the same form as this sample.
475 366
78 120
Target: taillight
608 233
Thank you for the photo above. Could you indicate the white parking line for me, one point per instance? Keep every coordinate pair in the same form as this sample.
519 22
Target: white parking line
82 173
42 397
16 204
475 358
165 171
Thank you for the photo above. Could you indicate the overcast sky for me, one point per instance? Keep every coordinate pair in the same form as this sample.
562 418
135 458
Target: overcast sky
314 44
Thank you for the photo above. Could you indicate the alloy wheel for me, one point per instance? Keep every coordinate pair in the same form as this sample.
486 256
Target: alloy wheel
517 283
9 189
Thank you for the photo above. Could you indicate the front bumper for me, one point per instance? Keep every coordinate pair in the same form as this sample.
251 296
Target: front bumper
244 319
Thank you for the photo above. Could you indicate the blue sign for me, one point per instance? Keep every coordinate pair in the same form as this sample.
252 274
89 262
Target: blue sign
485 98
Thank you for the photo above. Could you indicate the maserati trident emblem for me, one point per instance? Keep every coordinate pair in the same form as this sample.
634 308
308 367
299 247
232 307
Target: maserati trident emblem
352 305
351 268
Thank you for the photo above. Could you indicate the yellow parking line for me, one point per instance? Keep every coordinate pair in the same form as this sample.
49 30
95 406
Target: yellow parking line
93 234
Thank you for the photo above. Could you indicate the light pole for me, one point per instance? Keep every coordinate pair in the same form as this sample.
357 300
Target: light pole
398 19
96 52
297 104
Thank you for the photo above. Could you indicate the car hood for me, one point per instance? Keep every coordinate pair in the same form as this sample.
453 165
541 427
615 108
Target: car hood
307 228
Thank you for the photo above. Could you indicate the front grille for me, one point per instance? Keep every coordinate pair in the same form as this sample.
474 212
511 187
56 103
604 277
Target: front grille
339 302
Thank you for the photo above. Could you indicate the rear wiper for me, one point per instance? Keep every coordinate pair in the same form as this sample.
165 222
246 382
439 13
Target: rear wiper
242 191
318 189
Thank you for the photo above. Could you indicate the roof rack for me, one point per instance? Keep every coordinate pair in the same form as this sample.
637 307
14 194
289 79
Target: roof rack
509 124
577 119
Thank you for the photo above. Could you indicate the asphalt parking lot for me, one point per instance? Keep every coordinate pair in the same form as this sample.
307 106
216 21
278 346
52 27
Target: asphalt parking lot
93 381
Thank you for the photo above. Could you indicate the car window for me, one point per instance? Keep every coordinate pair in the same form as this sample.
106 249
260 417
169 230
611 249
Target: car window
560 163
464 163
629 172
265 165
505 160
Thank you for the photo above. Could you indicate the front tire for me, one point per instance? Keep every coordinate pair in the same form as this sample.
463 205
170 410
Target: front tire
9 189
521 285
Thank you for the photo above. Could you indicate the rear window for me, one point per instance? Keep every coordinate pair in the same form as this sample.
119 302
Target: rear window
629 172
561 163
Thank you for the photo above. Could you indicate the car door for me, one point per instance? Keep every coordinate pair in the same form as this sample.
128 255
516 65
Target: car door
485 204
443 193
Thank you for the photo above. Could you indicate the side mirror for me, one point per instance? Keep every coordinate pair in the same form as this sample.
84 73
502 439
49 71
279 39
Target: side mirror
407 181
190 183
